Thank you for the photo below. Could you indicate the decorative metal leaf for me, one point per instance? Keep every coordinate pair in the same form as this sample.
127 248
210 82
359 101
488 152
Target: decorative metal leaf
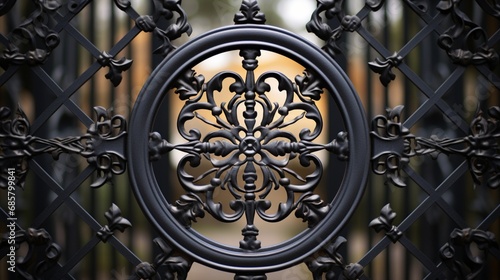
384 222
321 27
384 68
166 9
115 222
158 146
312 208
484 147
309 85
173 265
187 208
329 259
115 219
14 146
249 13
189 85
116 67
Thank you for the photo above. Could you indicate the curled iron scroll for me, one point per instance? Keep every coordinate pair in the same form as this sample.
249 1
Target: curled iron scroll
249 145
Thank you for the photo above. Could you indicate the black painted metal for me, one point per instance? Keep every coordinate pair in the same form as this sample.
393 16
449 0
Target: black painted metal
249 150
324 219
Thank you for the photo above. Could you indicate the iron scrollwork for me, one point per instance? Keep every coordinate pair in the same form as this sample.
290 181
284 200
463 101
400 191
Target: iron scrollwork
249 149
316 25
166 265
24 42
470 32
330 259
394 145
33 40
42 254
18 146
391 148
484 148
187 208
473 263
349 23
235 139
175 30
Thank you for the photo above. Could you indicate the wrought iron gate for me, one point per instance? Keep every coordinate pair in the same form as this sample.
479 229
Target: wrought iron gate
319 174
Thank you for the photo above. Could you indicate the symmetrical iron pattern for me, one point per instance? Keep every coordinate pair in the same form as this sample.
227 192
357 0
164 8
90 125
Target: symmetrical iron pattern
250 151
18 146
394 146
31 45
247 147
253 149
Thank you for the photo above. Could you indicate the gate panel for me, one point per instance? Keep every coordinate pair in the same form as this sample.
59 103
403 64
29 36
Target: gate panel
391 170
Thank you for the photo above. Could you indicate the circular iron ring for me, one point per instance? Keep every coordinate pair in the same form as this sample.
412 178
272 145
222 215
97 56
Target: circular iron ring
151 198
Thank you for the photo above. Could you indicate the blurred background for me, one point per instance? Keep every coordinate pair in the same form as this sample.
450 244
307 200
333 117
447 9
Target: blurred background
390 28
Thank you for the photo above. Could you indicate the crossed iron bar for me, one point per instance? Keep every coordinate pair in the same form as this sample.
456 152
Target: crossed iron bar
392 148
393 145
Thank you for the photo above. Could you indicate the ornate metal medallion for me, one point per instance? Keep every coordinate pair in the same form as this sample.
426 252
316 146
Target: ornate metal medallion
249 148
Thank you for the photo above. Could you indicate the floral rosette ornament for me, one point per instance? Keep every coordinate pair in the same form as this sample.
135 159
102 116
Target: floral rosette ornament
250 147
